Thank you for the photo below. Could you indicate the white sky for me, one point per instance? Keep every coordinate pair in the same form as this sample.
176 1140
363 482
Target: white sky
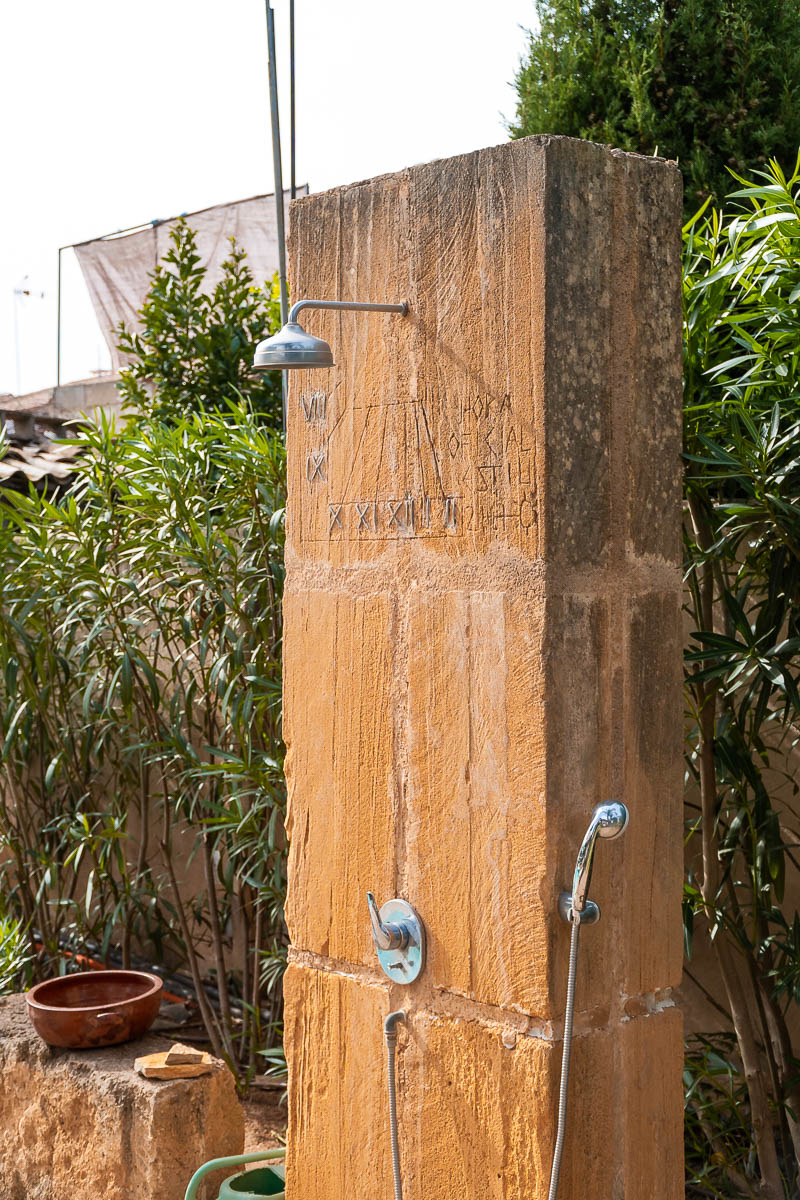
116 113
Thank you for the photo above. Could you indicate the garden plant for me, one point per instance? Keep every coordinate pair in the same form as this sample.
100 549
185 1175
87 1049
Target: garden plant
742 538
141 814
714 86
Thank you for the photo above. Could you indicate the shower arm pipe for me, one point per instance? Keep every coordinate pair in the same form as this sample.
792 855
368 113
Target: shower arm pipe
277 162
277 168
350 305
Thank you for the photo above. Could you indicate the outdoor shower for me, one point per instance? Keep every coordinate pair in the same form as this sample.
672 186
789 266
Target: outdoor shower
397 931
399 934
399 937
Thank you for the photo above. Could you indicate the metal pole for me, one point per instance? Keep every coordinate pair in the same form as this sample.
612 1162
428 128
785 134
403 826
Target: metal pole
276 160
278 173
58 318
17 293
293 174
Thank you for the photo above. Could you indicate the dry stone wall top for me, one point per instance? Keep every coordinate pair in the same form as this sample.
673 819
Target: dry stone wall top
82 1124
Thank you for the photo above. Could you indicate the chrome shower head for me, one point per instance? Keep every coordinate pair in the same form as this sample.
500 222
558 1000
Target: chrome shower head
292 347
608 821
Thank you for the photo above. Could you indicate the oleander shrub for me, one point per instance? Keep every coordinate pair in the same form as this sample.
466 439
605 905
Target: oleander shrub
742 541
141 784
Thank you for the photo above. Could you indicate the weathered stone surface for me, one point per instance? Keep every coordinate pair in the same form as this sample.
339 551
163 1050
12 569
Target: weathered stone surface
578 384
158 1066
514 710
420 450
653 769
338 1144
84 1125
475 802
482 642
180 1055
651 1130
647 354
472 1124
341 777
612 688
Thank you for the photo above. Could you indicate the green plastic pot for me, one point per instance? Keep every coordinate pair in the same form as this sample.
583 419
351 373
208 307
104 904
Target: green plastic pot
247 1185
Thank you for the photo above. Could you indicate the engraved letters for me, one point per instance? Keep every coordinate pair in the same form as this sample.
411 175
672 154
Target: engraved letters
362 512
394 514
393 518
434 466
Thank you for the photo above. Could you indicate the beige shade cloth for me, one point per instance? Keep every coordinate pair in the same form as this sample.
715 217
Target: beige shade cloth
117 269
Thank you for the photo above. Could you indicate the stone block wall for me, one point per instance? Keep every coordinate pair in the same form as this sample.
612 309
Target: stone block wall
82 1125
482 641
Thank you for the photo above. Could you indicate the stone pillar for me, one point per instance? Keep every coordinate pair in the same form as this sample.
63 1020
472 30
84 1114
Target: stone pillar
483 641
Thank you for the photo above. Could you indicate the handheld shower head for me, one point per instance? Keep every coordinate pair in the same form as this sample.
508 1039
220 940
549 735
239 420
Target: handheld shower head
608 821
611 819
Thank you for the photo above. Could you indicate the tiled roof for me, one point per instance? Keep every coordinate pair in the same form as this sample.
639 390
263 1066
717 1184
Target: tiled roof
41 461
33 423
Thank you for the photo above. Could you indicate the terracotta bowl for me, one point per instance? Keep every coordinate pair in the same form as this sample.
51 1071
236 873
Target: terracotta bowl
94 1008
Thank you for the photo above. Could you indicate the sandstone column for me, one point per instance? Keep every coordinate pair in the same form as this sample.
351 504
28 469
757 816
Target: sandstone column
482 642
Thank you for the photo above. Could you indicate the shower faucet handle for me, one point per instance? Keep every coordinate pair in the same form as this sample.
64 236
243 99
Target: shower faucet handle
385 934
399 937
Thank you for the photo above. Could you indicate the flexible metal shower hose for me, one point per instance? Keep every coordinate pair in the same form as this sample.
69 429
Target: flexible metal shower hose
565 1057
390 1032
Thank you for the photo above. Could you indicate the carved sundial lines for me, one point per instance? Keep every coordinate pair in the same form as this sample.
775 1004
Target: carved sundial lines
380 454
341 414
456 465
407 448
355 458
434 455
418 445
435 466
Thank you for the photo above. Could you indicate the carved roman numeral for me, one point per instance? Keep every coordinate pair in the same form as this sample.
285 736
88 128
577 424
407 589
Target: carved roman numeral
362 512
334 517
314 464
314 406
395 518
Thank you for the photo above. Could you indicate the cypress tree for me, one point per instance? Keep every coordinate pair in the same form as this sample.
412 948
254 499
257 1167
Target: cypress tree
713 85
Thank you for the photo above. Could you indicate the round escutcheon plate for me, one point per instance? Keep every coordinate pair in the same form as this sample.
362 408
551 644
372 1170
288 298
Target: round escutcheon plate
404 965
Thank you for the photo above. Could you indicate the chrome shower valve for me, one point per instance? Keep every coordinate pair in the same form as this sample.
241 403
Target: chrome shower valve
399 938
